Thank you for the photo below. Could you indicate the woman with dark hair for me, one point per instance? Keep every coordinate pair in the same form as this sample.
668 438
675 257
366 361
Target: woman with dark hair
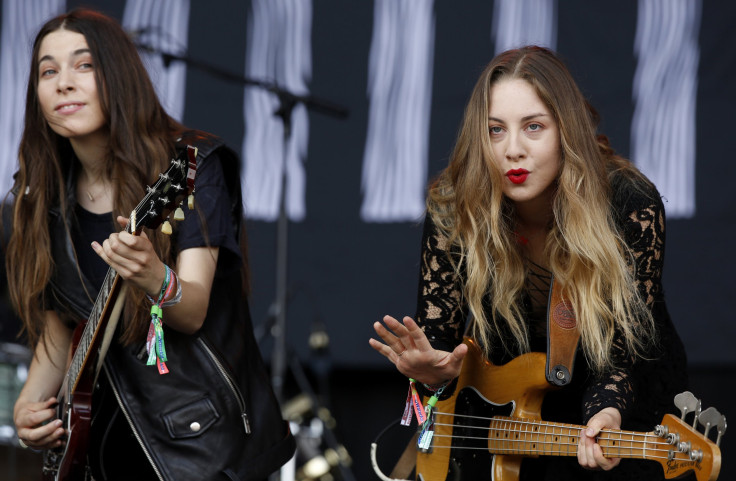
532 194
95 137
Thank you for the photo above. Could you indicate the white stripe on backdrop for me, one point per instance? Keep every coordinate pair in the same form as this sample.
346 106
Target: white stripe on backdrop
278 51
21 21
665 89
524 22
400 90
163 26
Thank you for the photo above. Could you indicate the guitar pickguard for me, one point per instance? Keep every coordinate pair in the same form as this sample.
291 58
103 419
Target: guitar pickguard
484 390
469 456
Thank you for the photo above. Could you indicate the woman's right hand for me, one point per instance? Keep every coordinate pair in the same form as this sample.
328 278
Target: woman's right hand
36 424
408 348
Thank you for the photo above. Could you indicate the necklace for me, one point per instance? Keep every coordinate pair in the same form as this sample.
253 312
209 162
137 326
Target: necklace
92 197
95 189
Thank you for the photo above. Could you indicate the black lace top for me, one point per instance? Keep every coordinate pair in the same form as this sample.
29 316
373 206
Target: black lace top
639 213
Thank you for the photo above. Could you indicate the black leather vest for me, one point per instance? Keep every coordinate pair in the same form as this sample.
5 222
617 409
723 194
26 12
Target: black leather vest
214 415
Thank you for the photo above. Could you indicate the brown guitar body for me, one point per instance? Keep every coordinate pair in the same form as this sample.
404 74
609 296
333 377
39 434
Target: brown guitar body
521 381
71 458
75 411
493 420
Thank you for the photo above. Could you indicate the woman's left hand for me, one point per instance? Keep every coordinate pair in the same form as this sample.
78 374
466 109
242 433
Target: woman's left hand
408 348
590 454
133 258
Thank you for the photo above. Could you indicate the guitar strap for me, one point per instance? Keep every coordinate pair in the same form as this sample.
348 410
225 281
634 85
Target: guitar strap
110 327
408 460
562 337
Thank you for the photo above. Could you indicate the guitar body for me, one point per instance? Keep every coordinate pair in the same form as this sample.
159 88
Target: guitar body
515 389
69 462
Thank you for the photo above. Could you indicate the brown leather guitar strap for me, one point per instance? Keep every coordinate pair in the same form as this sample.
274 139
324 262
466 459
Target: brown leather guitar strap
562 337
408 460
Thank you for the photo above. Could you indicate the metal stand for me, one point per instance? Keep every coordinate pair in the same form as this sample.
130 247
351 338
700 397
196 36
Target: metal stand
281 354
278 329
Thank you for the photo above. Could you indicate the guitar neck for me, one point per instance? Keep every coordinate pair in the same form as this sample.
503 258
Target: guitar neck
527 437
91 335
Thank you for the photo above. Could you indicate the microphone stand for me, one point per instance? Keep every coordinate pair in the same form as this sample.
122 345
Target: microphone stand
313 103
287 102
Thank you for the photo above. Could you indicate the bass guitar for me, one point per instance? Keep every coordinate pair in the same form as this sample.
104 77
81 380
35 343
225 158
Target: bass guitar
91 339
493 420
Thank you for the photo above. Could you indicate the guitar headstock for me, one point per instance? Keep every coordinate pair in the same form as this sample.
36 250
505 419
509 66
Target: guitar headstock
172 187
690 450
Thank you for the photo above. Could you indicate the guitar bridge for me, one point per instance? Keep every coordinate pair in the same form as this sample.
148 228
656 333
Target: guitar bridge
51 463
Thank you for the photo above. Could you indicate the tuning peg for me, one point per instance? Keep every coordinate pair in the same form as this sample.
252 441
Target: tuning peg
661 430
721 430
190 201
166 227
178 214
686 402
709 418
697 414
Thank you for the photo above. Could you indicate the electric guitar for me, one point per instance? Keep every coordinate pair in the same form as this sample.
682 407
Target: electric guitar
492 421
91 339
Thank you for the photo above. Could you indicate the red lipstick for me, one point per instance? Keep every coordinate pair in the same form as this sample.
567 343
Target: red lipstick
517 176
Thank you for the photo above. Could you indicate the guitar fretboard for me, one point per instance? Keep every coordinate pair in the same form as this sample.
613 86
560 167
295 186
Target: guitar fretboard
91 328
527 437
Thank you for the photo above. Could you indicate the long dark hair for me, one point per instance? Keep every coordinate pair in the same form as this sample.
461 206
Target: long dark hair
141 140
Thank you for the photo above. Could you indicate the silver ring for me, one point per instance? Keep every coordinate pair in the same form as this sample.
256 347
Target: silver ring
402 353
22 444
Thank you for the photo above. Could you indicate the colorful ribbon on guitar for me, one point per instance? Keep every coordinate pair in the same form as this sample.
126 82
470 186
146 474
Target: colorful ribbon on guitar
155 340
424 415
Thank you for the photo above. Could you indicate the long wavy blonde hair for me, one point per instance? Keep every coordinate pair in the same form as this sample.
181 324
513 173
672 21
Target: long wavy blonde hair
587 256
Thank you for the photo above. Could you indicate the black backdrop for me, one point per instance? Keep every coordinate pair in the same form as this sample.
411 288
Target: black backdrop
344 273
347 273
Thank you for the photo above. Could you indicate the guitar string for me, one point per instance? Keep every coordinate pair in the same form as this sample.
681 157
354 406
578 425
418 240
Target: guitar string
571 448
677 456
616 436
538 441
542 442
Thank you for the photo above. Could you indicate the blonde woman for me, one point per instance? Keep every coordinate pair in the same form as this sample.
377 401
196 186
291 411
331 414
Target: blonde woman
532 193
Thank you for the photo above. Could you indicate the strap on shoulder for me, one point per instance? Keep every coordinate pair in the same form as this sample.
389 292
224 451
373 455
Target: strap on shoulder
562 337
